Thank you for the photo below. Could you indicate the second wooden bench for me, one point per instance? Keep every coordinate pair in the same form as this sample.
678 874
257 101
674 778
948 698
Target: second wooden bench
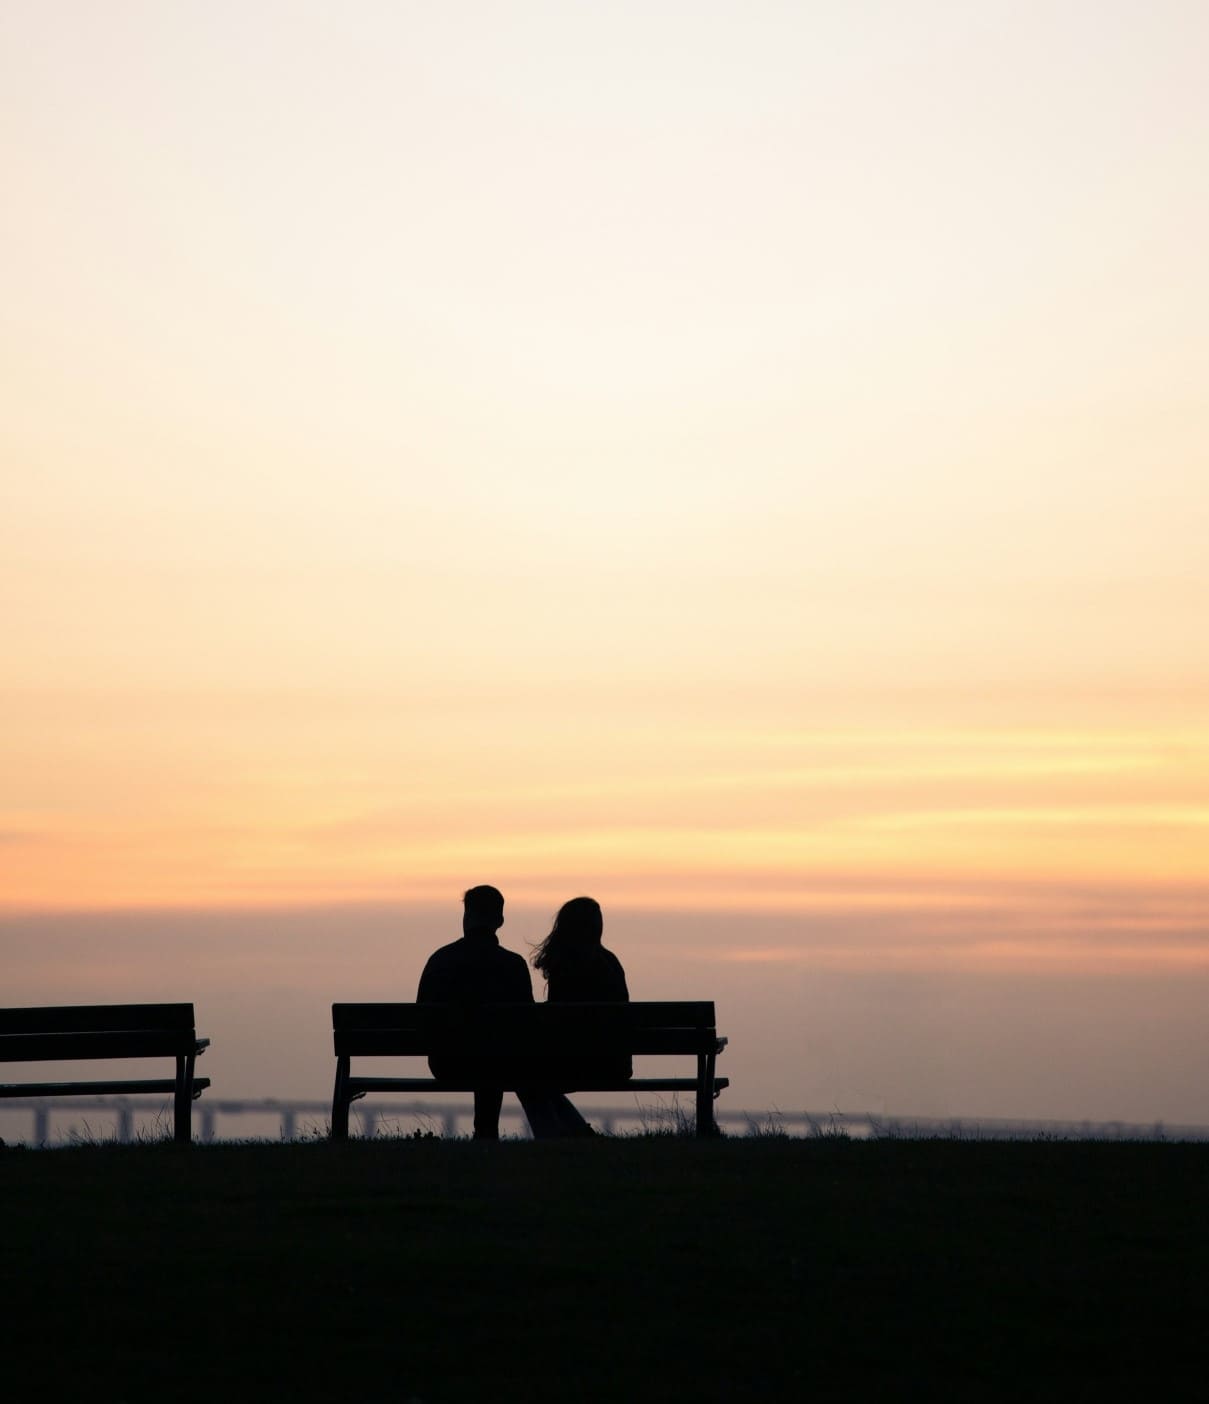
67 1033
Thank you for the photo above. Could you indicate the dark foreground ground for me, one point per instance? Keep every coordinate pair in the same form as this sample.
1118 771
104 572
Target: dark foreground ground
645 1269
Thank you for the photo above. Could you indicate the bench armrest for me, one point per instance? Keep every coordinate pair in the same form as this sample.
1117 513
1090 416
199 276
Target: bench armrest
721 1044
202 1045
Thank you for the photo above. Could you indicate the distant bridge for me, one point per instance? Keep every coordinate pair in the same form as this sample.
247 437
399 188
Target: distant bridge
131 1120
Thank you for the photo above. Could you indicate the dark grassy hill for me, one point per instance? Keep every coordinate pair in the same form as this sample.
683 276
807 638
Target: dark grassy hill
656 1268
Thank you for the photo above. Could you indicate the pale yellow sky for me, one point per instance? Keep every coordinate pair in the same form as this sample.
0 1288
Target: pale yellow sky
692 453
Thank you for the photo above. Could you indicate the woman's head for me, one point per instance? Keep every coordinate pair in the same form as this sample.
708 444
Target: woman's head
576 933
580 920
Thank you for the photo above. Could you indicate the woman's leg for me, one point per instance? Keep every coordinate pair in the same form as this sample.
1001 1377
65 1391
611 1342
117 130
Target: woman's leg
570 1122
551 1115
540 1112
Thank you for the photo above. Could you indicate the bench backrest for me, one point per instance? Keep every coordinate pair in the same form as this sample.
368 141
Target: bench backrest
565 1030
96 1031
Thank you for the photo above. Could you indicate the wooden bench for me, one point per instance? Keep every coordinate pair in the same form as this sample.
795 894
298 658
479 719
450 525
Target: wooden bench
531 1034
88 1031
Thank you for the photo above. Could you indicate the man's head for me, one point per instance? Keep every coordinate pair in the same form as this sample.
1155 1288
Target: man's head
483 909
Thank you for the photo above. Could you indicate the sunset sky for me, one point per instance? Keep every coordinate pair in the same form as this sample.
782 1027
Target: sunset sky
744 462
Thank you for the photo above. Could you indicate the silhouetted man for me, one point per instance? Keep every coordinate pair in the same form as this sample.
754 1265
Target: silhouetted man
477 970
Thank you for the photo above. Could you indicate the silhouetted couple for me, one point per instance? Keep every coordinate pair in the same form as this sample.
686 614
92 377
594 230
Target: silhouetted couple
478 970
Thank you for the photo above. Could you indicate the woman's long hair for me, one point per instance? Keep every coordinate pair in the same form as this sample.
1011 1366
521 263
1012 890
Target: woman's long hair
574 937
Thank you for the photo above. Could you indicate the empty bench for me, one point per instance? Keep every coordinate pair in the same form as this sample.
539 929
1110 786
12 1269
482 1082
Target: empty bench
530 1036
69 1033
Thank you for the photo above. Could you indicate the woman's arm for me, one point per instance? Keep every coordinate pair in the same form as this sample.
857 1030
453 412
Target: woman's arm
620 994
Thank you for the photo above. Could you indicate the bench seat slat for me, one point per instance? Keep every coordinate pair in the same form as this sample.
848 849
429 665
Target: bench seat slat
524 1030
95 1018
580 1043
125 1087
153 1043
357 1085
666 1014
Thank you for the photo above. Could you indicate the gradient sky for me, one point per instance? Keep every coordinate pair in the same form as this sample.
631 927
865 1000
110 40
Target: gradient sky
735 460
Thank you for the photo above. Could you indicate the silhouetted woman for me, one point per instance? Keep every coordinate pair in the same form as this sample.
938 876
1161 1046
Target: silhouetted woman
579 970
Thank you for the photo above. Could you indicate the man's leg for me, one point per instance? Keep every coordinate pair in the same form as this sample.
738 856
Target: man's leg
487 1104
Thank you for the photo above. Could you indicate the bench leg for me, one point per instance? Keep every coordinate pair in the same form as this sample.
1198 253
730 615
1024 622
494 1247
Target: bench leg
340 1101
705 1094
182 1109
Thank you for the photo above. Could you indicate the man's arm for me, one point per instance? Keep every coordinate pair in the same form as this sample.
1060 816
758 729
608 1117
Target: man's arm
523 993
432 984
618 992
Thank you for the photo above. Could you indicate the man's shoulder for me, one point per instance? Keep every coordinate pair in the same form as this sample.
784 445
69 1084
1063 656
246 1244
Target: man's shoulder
464 952
445 953
510 971
474 972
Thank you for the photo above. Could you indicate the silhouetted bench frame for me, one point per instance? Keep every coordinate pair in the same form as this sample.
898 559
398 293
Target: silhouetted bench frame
530 1032
60 1033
